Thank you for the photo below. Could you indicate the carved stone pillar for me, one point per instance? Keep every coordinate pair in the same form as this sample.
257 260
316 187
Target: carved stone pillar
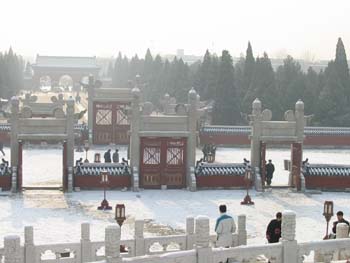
112 244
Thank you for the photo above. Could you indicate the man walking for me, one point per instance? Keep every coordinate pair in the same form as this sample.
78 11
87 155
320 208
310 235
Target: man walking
270 168
107 156
225 226
273 231
340 217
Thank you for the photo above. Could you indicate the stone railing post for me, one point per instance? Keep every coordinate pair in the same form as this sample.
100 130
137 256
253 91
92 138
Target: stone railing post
139 239
29 247
85 243
190 236
12 249
342 231
204 252
290 246
242 230
112 244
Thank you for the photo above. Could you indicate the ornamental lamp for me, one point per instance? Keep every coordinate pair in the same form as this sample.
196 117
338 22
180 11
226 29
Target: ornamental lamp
327 213
120 214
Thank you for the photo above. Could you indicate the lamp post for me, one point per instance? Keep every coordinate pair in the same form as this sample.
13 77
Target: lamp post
120 214
120 218
104 180
86 147
97 158
327 213
248 178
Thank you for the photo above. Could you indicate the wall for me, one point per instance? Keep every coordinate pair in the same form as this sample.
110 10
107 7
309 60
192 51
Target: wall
94 182
5 182
327 182
243 140
222 181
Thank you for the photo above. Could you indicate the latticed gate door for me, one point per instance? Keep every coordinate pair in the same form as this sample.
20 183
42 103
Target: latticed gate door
121 125
150 163
174 173
103 123
163 162
111 124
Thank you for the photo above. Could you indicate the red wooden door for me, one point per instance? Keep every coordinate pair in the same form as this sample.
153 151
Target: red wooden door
150 169
263 162
296 163
163 162
110 124
103 123
121 126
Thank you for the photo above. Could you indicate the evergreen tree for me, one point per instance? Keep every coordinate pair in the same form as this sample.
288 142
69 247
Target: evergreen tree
290 83
120 76
342 69
263 85
249 64
312 91
226 109
332 100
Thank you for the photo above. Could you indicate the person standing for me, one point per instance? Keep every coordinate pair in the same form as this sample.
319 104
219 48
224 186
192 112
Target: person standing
270 169
225 226
107 156
340 217
274 229
2 148
115 156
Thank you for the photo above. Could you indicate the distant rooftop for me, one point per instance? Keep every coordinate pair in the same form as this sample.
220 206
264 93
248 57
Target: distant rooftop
65 62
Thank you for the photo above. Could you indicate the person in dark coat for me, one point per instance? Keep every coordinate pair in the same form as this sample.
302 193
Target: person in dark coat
115 156
107 156
274 229
2 148
340 217
270 168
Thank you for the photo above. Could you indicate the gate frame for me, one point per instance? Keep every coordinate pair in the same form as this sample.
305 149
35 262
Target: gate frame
144 124
163 165
263 130
41 129
104 95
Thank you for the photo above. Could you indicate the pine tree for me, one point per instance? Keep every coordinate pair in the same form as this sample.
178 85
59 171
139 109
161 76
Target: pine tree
332 100
290 83
342 69
263 85
312 91
226 109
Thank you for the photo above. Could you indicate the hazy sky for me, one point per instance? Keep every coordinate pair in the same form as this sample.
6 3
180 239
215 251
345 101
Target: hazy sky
104 27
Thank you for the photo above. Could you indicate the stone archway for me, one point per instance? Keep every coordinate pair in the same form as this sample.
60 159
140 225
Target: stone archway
66 81
42 129
289 131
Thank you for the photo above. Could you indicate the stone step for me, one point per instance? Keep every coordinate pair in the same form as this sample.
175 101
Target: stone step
42 187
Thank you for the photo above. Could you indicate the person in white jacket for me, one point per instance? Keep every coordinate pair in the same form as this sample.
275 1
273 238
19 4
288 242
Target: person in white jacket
224 228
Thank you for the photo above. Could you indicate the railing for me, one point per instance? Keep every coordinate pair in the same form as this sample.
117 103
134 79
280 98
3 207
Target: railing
194 247
88 251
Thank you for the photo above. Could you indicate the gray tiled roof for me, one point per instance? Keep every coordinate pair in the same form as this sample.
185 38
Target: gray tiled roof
66 62
246 130
326 170
114 169
226 130
234 169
